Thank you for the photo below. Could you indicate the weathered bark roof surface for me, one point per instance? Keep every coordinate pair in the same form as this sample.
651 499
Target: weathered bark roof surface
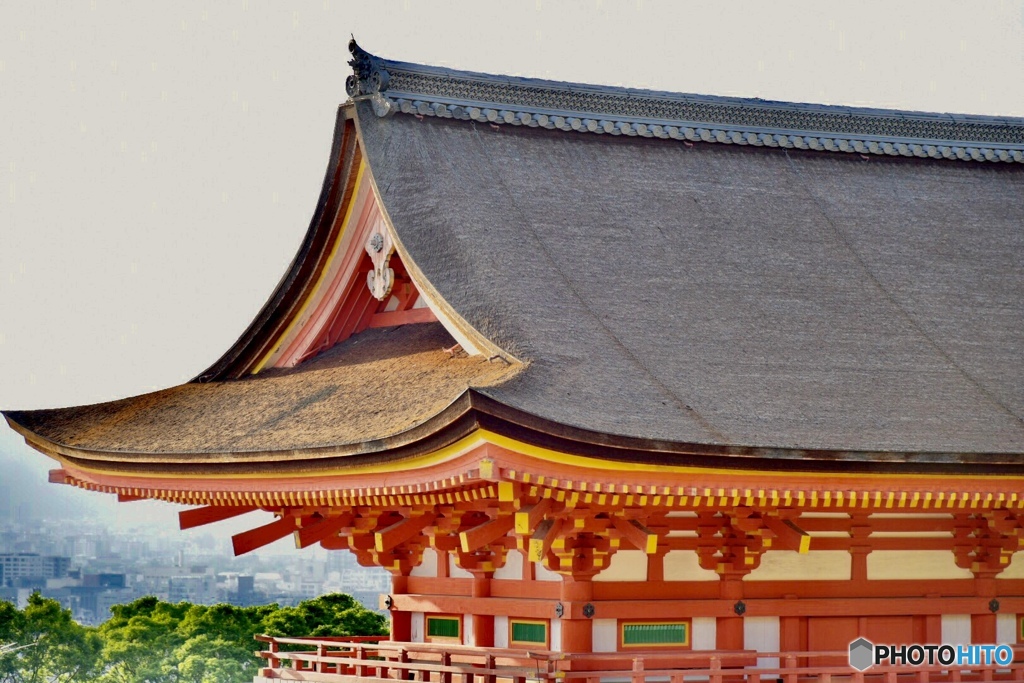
726 295
380 383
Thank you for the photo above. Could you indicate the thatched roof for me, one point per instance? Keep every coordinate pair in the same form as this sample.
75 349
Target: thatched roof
731 295
377 385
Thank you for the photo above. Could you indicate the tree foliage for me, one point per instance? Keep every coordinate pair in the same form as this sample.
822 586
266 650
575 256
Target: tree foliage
151 641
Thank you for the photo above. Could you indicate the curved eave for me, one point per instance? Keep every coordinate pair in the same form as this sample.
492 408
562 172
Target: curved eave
473 413
434 91
285 313
287 297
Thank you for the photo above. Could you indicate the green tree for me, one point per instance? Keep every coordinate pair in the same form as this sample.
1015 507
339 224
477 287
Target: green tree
11 627
151 641
58 650
208 659
139 641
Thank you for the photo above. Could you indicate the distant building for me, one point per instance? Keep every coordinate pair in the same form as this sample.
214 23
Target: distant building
17 567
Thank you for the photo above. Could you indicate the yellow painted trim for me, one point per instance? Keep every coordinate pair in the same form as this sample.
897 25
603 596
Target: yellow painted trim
687 623
616 466
536 622
323 273
805 545
506 489
441 456
652 544
441 639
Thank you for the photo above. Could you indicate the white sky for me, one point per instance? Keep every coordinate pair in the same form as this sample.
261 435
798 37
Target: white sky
159 163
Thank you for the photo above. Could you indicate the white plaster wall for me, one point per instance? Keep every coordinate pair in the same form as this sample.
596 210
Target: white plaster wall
542 573
556 635
467 630
606 635
455 571
1006 628
513 567
789 565
500 631
626 565
914 564
418 628
682 565
704 634
1016 568
428 567
956 629
762 634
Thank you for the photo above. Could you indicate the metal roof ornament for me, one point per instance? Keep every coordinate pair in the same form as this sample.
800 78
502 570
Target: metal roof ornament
369 79
381 279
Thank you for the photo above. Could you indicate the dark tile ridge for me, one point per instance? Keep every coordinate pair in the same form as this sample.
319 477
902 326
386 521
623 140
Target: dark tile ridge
402 87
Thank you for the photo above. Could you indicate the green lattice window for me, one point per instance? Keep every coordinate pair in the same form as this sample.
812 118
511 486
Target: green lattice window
529 632
444 627
656 634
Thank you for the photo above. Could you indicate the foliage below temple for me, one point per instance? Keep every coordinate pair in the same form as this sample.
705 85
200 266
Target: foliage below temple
151 641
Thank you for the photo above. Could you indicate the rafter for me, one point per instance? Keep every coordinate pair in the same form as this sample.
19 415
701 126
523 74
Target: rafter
542 538
486 533
790 536
189 519
248 541
320 529
637 534
401 531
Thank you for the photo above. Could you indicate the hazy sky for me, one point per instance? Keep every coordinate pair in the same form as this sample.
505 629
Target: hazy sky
159 163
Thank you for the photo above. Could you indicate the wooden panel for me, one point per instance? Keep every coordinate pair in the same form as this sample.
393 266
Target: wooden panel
626 565
894 630
831 633
789 565
914 564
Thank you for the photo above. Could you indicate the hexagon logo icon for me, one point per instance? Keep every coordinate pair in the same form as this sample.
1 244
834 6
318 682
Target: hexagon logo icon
862 654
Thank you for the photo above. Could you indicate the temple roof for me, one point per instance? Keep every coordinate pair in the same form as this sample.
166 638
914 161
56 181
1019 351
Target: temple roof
379 384
731 295
833 284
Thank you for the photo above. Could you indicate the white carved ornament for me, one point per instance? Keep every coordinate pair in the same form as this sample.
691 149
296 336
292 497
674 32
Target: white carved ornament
380 247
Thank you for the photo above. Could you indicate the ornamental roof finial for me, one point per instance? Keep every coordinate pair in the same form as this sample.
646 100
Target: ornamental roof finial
368 74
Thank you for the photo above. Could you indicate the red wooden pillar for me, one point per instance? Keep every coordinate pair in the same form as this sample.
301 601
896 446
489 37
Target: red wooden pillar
729 630
983 626
483 624
577 634
401 622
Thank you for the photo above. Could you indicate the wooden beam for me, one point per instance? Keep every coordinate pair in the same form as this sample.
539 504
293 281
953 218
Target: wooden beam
57 476
319 529
530 516
401 531
189 519
485 533
408 317
126 498
789 534
637 534
542 539
248 541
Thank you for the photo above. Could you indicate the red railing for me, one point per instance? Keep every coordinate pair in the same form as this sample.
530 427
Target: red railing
347 660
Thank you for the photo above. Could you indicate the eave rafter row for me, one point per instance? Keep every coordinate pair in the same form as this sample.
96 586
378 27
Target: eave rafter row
575 492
